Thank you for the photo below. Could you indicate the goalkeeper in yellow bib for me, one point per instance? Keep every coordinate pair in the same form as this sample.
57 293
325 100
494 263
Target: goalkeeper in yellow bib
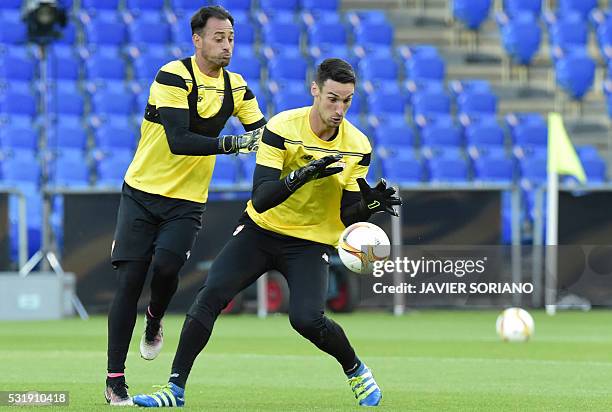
166 186
308 185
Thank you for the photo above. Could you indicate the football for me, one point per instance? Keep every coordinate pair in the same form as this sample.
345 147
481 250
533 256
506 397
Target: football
515 325
361 244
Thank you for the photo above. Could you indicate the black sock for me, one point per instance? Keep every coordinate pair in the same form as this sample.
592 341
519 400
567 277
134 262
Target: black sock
354 368
122 314
194 337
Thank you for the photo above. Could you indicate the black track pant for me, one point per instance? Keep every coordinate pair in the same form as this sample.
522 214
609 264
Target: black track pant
251 252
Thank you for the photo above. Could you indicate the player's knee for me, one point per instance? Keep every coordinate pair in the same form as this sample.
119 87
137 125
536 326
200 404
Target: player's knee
166 264
131 276
308 325
210 301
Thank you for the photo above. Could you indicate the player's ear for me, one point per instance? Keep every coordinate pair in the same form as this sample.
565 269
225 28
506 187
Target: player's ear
314 89
197 40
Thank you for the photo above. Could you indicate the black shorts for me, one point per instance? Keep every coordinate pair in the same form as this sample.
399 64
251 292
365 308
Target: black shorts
146 222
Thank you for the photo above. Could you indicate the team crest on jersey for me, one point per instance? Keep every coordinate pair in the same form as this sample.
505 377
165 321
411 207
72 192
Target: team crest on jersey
200 98
308 157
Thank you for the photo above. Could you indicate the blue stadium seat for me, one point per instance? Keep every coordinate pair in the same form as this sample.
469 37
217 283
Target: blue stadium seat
448 166
68 34
20 170
149 29
514 119
106 29
471 12
374 68
582 7
145 5
318 5
322 34
109 138
394 136
273 6
69 171
10 5
485 133
249 69
146 66
17 68
382 103
514 7
457 87
100 4
67 104
521 37
568 33
530 134
474 104
64 67
113 103
593 163
533 169
17 103
441 133
13 32
100 68
318 53
359 17
287 68
111 170
67 138
18 138
372 35
403 167
429 104
226 171
281 34
234 5
425 67
493 169
575 74
286 101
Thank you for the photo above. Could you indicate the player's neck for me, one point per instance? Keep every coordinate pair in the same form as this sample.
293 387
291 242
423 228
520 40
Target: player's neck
319 128
207 68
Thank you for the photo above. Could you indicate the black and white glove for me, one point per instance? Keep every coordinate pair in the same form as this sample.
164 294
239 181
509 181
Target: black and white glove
317 169
379 198
243 143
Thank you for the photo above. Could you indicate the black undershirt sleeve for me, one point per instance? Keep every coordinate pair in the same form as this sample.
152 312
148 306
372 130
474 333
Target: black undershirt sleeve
351 210
268 189
180 139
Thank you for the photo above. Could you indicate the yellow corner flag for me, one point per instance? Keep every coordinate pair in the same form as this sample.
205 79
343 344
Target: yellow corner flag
562 158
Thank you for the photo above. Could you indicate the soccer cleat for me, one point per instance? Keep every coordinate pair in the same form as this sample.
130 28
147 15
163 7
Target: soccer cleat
116 393
168 396
364 387
152 339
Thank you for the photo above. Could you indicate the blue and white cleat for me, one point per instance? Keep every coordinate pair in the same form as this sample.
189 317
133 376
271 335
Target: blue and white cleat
364 387
168 396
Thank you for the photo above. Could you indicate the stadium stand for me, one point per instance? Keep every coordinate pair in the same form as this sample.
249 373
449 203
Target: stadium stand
433 115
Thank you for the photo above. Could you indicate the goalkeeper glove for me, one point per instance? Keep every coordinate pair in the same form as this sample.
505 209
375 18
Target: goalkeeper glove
243 143
378 199
316 169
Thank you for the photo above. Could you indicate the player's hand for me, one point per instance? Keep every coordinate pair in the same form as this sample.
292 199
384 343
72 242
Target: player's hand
244 143
379 198
316 169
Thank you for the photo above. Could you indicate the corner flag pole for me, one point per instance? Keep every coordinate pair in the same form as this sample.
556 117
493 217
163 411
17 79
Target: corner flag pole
552 223
562 159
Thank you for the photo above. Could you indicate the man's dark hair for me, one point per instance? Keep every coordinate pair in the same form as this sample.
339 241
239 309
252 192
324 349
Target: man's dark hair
199 19
337 70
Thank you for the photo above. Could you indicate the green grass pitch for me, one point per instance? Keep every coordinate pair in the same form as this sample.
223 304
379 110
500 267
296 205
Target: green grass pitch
423 361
